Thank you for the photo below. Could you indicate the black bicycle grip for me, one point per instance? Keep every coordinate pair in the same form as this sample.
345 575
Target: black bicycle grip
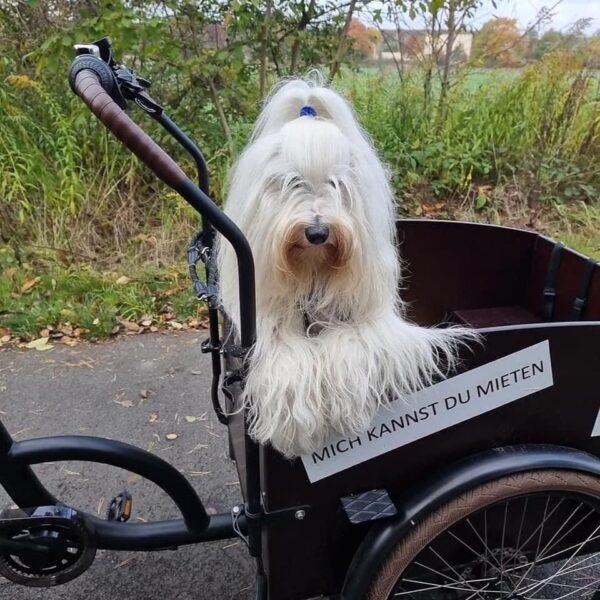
86 84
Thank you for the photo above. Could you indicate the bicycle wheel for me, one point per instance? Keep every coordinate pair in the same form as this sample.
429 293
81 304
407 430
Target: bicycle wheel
531 536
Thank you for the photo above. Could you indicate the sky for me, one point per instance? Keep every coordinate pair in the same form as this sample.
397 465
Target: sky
525 11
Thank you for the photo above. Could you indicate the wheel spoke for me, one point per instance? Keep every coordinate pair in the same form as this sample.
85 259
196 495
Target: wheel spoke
429 586
562 568
453 570
487 549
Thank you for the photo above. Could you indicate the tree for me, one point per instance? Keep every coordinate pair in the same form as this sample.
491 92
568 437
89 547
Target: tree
365 40
499 43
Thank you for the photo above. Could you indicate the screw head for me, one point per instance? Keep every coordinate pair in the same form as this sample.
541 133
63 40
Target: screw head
300 514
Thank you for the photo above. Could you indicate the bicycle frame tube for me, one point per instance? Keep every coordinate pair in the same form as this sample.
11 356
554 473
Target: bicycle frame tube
25 489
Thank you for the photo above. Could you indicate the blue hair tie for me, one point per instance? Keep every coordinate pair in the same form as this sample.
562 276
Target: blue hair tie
308 111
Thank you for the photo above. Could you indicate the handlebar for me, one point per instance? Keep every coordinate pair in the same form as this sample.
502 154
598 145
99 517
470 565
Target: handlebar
87 85
93 80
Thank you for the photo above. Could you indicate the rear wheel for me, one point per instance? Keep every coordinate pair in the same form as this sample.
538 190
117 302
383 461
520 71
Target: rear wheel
530 536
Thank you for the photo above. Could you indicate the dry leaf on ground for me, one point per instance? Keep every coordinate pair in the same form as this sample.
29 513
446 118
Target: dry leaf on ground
40 344
191 419
125 403
130 326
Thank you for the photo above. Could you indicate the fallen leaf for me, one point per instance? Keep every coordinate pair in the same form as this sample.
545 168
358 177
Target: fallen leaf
4 332
125 403
125 562
130 326
171 436
66 329
153 329
143 394
175 325
4 339
39 344
45 348
153 418
45 333
202 417
29 284
123 280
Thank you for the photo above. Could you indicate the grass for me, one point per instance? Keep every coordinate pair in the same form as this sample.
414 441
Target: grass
579 228
38 297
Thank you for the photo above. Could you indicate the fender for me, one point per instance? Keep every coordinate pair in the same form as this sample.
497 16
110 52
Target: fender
446 484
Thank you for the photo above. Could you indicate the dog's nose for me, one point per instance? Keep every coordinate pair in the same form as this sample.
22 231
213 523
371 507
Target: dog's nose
317 234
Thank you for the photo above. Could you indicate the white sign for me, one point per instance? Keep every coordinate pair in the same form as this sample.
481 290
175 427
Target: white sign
436 408
596 429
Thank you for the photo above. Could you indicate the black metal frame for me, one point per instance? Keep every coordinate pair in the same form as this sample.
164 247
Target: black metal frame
16 458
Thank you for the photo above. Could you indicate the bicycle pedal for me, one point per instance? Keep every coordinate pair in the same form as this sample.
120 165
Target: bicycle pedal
120 507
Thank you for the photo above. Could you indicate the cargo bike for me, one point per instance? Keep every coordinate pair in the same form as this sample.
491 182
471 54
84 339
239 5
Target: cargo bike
486 485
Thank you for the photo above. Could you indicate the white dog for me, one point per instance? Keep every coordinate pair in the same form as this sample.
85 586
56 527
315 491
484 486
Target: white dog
314 201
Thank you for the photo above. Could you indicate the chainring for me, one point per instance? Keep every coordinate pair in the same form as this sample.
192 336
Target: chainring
45 546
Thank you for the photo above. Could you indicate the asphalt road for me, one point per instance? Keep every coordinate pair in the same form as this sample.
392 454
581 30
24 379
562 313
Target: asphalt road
138 389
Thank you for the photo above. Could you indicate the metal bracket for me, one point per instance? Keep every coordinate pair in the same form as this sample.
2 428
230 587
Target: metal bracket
232 377
207 347
295 513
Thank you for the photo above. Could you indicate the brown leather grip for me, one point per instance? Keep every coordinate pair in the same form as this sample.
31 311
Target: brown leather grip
116 119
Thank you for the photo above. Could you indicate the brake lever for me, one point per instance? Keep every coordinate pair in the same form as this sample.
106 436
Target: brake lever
131 86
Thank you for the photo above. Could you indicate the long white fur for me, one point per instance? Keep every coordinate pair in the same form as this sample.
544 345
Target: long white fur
359 352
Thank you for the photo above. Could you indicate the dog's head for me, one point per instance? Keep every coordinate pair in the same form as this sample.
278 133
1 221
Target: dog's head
314 201
308 194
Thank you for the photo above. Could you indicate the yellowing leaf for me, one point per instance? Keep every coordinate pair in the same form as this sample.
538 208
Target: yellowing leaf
123 280
44 348
191 419
39 344
30 283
